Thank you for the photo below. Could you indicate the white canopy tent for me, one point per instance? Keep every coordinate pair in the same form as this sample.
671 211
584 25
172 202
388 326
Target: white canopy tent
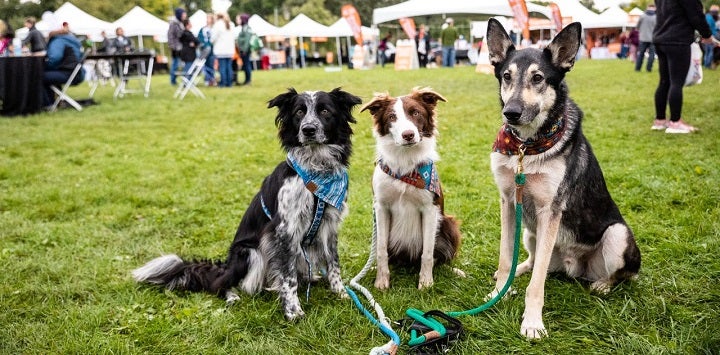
262 27
139 22
303 26
614 16
80 22
413 8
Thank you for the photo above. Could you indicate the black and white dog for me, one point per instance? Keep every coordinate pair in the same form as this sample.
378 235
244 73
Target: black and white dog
572 225
289 231
412 227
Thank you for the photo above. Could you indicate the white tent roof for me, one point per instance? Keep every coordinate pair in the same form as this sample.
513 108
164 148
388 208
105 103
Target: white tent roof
413 8
614 16
341 28
80 22
198 20
303 26
138 22
262 27
636 11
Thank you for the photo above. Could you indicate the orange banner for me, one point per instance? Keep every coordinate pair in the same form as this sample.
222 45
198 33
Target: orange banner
519 9
350 14
556 16
408 25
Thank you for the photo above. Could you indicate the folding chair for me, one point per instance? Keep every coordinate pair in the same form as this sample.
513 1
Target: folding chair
62 92
189 78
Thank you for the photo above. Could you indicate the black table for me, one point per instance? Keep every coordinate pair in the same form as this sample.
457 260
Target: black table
21 85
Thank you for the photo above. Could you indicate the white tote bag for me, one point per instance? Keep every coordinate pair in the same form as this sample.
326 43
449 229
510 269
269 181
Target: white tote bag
695 74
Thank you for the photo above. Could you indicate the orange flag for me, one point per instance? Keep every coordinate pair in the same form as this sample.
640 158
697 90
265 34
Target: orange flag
408 25
520 11
350 14
556 16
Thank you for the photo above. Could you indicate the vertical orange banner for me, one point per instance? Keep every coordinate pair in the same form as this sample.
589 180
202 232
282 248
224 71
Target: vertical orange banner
408 25
350 14
556 16
519 9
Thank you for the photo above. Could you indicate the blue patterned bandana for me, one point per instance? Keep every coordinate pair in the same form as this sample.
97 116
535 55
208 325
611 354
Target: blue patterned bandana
330 188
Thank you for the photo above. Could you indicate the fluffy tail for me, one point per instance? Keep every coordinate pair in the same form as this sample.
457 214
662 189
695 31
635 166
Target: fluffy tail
447 243
176 274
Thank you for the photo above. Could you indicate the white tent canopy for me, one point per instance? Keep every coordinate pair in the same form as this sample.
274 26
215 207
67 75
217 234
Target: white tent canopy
139 22
80 22
303 26
413 8
262 27
614 16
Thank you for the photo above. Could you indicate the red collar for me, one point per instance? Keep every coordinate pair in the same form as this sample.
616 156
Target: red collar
508 143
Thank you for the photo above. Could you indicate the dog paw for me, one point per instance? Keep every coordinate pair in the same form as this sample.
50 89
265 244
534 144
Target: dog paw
231 298
294 314
533 329
459 272
382 283
511 291
601 287
423 284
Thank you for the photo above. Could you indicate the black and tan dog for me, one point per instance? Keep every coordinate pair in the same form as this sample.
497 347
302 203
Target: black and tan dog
572 225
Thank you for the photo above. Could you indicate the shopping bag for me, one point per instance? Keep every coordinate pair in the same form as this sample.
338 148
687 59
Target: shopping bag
695 74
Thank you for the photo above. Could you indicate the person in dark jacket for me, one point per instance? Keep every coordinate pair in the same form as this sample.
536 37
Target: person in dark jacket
677 21
64 53
175 29
645 26
190 43
34 40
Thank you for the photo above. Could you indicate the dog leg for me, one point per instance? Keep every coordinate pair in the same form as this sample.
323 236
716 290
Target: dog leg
382 221
429 218
507 240
527 265
333 275
532 325
609 258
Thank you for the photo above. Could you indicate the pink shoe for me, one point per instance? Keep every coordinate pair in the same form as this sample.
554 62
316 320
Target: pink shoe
679 127
659 125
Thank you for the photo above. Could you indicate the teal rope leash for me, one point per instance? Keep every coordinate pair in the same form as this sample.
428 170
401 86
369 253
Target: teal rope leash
437 329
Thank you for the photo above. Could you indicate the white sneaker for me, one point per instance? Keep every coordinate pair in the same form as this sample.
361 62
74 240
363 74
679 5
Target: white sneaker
659 125
679 127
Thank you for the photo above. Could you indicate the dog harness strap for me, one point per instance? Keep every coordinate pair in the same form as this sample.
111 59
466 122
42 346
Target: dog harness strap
424 176
317 219
265 207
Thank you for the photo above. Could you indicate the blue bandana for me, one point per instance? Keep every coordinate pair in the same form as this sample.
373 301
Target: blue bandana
330 188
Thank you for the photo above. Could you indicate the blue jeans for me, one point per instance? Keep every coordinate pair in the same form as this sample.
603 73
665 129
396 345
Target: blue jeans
641 55
226 72
174 65
448 56
707 62
209 68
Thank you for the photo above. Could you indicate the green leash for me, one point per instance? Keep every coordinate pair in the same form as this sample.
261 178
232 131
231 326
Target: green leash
438 330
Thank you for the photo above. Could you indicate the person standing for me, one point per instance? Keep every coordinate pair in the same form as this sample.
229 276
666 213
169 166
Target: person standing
205 38
122 44
645 26
382 49
34 40
175 30
223 42
244 44
422 39
711 17
448 36
677 21
190 43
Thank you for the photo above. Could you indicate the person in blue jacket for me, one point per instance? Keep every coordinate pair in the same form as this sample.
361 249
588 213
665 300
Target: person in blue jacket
64 52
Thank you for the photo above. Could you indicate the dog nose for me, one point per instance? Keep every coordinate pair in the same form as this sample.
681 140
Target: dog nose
408 135
512 113
309 131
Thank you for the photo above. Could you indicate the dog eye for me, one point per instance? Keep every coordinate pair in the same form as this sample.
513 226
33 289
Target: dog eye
299 113
506 76
391 116
537 78
416 113
324 112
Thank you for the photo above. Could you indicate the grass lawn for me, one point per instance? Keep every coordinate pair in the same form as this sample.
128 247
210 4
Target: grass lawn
85 197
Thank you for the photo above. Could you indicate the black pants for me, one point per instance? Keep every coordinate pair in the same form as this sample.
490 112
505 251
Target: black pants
674 62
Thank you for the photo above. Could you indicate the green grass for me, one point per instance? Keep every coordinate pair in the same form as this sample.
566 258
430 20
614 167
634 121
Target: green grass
87 197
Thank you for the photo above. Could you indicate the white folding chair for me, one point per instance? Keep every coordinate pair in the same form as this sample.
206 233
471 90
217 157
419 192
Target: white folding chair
62 92
189 78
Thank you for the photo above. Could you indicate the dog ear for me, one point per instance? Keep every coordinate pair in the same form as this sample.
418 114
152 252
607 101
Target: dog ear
427 96
346 100
376 104
499 43
281 102
564 47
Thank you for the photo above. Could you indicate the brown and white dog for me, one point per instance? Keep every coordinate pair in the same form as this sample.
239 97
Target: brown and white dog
412 227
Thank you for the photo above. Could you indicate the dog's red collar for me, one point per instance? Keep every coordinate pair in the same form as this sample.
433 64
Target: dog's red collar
508 143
